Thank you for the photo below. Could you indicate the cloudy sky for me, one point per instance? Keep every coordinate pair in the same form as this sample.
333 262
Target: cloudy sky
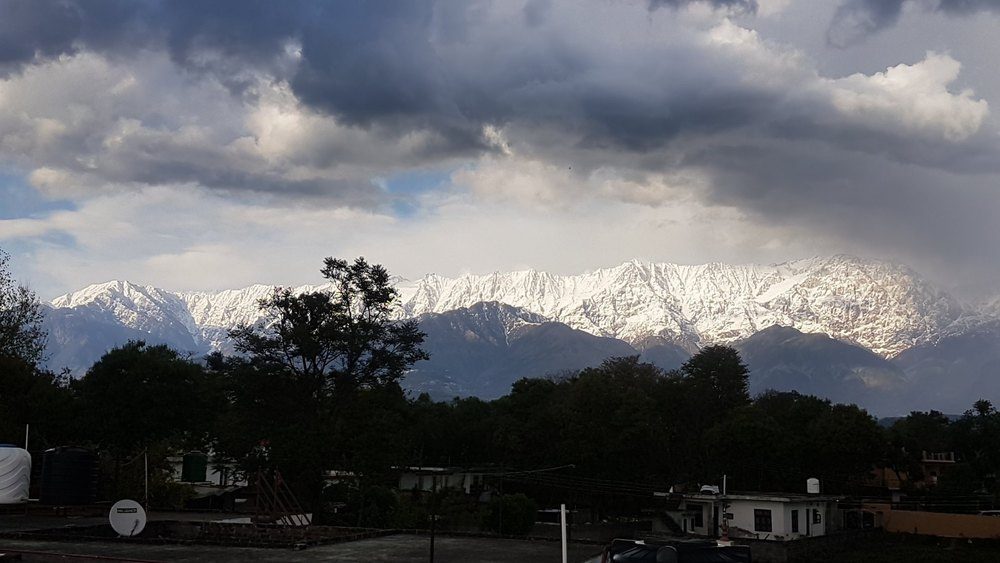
205 145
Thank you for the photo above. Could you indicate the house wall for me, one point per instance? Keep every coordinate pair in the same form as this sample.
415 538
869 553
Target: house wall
742 511
938 524
409 481
806 510
432 482
214 473
781 518
706 518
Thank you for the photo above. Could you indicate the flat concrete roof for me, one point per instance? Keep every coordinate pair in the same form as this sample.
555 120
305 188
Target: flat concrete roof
768 497
402 548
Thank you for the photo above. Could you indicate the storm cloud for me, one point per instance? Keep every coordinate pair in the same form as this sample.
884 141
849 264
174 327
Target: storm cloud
857 19
530 105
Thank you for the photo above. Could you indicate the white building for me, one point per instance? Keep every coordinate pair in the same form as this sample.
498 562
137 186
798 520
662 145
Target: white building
429 479
766 516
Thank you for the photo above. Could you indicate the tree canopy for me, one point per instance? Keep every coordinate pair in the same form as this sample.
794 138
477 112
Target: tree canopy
340 339
137 395
21 332
319 381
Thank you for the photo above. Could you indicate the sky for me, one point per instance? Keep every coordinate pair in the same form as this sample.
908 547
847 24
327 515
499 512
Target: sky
201 145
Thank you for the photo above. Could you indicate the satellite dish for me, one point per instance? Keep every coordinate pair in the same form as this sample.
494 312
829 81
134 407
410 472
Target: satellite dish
127 517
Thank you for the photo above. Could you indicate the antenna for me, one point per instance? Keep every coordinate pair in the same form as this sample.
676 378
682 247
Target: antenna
127 518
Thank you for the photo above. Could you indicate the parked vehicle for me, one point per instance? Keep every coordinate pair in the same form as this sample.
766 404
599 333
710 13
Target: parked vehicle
674 551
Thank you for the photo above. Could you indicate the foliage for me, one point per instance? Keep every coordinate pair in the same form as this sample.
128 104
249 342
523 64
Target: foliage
377 507
339 340
718 378
139 395
39 398
21 332
782 439
977 436
512 515
319 384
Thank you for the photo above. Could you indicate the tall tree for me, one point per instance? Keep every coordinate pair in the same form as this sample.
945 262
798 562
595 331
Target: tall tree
720 378
21 332
138 395
32 396
336 355
339 340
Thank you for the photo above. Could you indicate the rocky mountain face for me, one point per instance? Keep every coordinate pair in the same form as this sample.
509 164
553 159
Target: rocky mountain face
481 350
785 359
881 306
854 329
954 371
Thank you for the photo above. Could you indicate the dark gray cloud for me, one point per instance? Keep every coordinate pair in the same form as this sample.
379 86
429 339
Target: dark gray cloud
906 165
38 30
924 216
855 20
368 63
748 5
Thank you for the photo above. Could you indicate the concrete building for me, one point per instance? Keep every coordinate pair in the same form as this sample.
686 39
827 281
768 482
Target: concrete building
766 516
429 479
934 464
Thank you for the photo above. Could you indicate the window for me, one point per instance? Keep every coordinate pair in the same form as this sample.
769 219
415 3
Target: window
795 521
699 517
761 520
817 518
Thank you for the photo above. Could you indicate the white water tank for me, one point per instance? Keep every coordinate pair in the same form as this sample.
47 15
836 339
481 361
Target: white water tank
15 474
812 486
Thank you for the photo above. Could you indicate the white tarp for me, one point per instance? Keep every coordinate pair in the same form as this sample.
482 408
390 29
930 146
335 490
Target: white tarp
15 475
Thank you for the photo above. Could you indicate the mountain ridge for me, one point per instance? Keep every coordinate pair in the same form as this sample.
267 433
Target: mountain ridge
882 306
857 330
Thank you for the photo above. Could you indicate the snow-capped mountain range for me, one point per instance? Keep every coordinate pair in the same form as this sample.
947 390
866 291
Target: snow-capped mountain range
882 306
856 330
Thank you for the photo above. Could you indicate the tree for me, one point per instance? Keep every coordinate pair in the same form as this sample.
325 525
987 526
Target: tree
719 377
337 341
714 384
322 370
977 437
21 332
138 395
39 398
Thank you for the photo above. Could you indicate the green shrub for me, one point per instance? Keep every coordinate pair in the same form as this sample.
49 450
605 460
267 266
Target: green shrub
510 515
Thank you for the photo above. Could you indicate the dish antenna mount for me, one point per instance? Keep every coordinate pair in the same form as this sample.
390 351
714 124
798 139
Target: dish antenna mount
127 518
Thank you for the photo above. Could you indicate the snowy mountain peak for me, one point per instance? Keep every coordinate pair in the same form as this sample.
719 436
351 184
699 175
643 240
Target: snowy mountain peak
883 306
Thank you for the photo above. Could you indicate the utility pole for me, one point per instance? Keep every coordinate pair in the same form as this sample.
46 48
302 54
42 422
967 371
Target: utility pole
145 475
562 525
725 512
433 512
433 519
500 499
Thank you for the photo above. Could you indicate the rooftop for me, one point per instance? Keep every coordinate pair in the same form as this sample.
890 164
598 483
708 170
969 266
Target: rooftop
760 496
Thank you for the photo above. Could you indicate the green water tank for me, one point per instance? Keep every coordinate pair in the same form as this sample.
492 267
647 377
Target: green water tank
194 468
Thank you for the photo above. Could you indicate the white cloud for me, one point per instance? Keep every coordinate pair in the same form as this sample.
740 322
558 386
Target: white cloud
608 132
903 100
186 238
82 125
913 97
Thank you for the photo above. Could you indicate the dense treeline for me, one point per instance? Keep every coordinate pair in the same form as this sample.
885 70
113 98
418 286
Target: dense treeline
316 388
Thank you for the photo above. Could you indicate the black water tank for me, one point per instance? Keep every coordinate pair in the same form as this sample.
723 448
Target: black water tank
69 476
